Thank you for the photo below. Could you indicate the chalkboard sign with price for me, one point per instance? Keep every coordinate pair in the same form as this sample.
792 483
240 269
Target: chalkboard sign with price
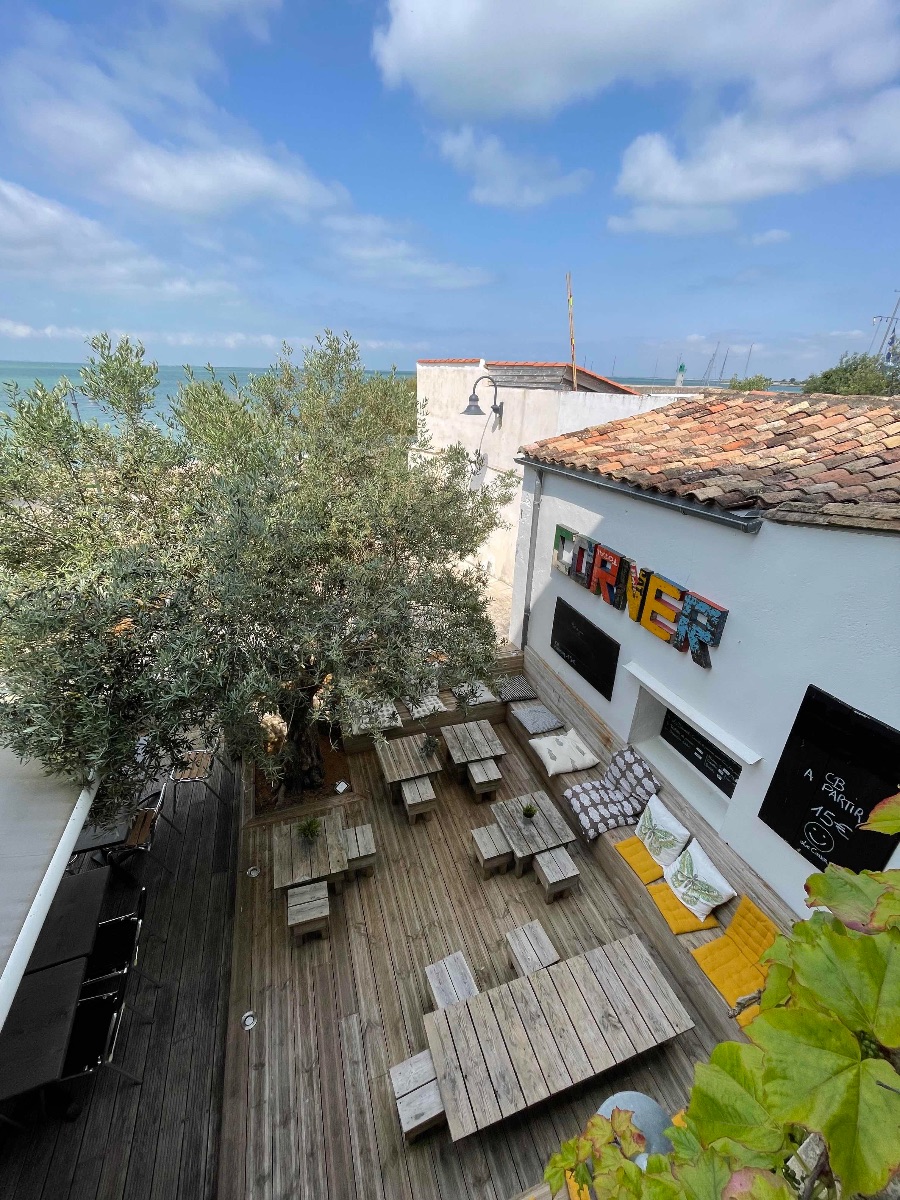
837 764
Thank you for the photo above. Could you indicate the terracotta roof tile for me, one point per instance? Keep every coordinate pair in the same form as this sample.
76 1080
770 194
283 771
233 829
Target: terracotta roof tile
818 460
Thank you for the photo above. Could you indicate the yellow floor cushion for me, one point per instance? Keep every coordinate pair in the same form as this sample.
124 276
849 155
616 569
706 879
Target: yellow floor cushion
679 918
751 929
728 969
747 1015
638 858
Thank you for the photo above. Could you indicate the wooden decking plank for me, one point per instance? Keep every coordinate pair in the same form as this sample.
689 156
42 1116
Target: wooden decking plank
473 1067
614 1033
524 1061
657 984
363 1140
657 1021
492 1041
566 1036
588 1030
454 1092
555 1067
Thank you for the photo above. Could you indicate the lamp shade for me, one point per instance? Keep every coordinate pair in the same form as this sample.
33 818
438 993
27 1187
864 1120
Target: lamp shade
473 408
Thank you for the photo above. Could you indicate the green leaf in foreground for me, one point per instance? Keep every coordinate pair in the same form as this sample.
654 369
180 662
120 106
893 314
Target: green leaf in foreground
814 1076
850 897
885 817
727 1109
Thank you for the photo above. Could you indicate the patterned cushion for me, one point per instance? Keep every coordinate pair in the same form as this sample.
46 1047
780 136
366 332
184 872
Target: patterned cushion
371 715
599 809
534 718
696 882
470 694
563 752
516 687
663 835
629 774
429 703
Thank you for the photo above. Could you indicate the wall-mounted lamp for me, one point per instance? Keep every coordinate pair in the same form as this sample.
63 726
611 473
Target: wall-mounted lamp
474 409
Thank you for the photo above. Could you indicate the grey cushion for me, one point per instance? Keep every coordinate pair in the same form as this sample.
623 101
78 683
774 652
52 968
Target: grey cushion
629 773
474 693
534 717
517 687
599 809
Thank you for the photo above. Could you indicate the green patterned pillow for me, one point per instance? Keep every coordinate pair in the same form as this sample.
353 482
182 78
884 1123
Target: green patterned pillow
696 882
663 835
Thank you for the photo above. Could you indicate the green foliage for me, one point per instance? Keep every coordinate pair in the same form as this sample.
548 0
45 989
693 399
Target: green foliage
310 828
885 816
753 383
529 811
272 550
857 375
822 1059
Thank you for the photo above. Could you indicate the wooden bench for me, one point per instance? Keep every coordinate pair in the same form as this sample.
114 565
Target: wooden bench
451 980
419 1103
556 872
484 777
359 841
530 949
308 910
418 798
492 850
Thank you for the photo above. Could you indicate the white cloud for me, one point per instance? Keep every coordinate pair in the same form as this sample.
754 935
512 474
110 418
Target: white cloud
44 240
504 179
182 338
371 249
657 218
769 237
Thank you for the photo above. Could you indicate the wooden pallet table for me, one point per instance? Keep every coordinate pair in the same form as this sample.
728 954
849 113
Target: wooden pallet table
472 741
530 836
504 1050
297 860
402 758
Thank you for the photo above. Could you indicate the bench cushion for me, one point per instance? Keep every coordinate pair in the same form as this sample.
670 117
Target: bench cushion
697 883
751 930
563 752
598 809
429 703
635 854
474 693
516 687
535 718
677 917
664 835
722 962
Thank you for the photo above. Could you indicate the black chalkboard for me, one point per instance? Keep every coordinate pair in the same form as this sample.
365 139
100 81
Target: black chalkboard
708 759
837 764
587 649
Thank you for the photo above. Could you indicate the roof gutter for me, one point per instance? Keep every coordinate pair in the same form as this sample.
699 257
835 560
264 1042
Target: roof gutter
692 508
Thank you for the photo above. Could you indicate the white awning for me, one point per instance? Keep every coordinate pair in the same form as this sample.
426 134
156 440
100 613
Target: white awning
41 817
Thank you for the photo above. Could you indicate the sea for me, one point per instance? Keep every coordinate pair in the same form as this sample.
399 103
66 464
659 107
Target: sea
49 373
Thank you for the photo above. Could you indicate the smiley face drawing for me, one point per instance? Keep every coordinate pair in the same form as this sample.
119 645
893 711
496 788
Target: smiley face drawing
818 837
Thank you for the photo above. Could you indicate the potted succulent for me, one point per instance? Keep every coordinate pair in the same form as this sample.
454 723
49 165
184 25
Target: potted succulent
429 745
529 811
310 828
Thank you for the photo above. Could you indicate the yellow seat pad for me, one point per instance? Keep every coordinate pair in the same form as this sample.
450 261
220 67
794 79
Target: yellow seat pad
747 1015
751 930
723 962
639 859
678 917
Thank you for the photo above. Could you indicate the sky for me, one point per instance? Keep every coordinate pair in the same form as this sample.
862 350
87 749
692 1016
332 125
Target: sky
218 176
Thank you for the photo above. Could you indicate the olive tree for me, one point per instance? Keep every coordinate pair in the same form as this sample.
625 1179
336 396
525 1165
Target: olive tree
269 556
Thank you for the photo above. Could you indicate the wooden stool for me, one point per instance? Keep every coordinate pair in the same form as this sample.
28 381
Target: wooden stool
451 980
492 850
419 1103
359 842
556 872
308 910
530 949
419 799
484 776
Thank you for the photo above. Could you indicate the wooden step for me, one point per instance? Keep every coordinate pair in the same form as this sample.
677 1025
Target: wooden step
492 850
556 872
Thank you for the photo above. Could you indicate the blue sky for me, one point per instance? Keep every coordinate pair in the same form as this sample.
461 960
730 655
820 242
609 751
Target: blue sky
215 176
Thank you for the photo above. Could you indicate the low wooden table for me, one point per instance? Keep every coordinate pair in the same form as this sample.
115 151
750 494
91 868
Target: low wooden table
297 860
545 831
471 741
402 758
503 1051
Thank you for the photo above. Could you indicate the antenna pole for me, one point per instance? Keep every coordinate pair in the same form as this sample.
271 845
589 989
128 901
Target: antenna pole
572 330
889 325
724 361
747 363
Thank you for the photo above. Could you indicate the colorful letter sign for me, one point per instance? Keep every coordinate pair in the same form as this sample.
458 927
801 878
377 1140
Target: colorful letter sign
664 608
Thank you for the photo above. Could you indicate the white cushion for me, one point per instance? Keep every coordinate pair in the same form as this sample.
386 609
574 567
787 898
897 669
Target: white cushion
430 703
663 835
563 752
534 717
474 693
696 882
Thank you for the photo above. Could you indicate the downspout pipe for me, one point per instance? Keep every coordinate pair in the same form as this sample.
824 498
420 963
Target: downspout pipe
532 544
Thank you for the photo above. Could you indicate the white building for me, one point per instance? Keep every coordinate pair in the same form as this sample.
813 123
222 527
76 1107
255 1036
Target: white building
538 400
756 534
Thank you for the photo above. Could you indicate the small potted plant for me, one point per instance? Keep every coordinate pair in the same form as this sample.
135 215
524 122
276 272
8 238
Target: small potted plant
310 828
529 811
429 745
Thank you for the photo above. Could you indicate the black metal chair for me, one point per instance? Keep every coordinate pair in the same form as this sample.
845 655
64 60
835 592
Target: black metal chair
142 833
94 1033
116 951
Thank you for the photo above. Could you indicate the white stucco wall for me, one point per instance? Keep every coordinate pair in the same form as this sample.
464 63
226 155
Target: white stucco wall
529 414
806 606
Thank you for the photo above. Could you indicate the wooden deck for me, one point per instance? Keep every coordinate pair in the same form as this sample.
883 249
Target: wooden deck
308 1105
158 1140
